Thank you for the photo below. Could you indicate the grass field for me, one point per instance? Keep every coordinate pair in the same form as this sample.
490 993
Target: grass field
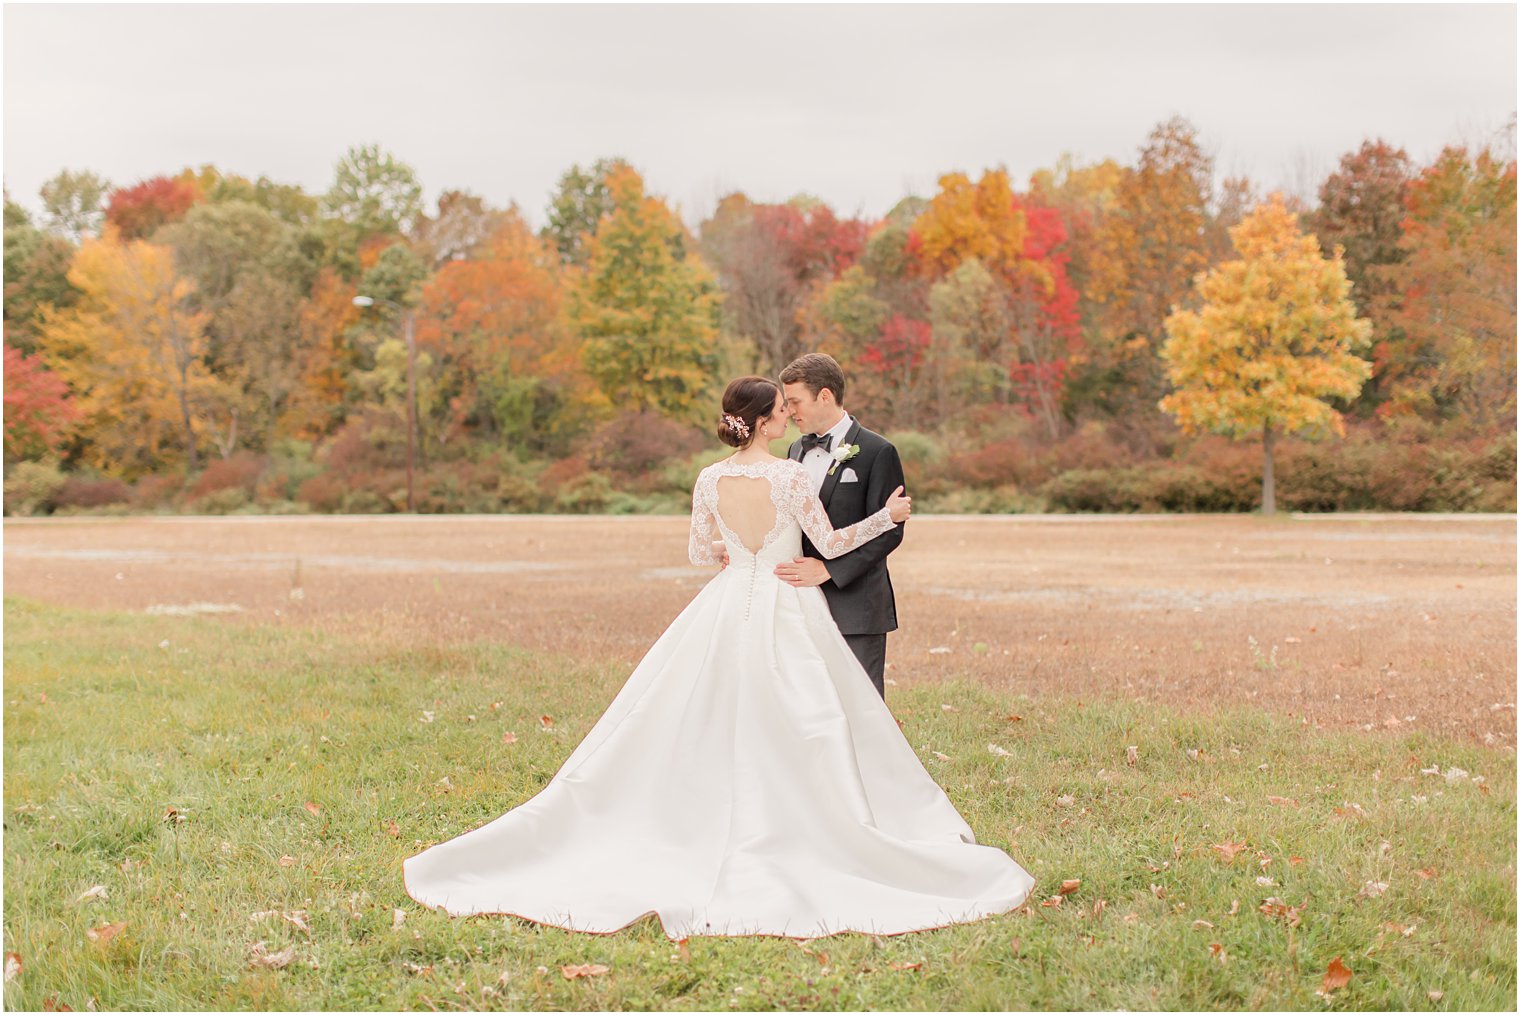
202 814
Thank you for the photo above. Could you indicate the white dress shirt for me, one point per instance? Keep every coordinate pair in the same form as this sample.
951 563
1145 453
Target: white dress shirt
817 460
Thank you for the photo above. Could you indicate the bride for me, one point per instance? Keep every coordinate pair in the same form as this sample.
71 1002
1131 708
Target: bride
747 779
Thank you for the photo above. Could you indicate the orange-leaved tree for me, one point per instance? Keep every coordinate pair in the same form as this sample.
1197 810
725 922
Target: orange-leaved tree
1276 335
135 356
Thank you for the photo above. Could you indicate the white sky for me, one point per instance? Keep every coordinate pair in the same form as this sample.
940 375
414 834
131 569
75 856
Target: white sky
858 104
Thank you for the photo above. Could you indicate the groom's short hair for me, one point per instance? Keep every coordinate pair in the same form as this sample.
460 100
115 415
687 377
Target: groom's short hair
818 371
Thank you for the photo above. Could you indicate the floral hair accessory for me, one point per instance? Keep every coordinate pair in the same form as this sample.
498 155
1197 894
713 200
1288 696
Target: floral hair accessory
737 426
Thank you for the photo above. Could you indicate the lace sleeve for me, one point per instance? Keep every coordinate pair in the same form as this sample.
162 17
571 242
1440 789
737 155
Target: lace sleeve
704 528
831 542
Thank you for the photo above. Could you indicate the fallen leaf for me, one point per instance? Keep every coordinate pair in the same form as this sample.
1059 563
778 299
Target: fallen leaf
1228 850
1132 755
1202 925
1266 882
312 808
1372 890
1295 860
1065 800
1426 873
103 935
547 721
418 970
1158 891
1234 907
509 737
392 829
683 950
1054 902
576 972
1099 907
398 917
1336 976
1436 995
941 757
297 919
287 861
906 966
427 717
94 892
996 751
1282 801
1014 718
947 708
1217 951
1070 885
260 957
53 1004
1273 906
12 966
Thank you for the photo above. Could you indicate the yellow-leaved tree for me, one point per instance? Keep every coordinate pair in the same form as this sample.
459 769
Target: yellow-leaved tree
135 357
1275 336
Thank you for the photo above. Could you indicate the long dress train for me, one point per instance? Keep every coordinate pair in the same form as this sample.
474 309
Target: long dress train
747 779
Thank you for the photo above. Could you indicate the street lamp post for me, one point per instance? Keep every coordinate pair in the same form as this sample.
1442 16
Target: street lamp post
411 390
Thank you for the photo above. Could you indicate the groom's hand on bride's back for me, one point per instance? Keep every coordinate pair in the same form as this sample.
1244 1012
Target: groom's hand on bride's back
803 572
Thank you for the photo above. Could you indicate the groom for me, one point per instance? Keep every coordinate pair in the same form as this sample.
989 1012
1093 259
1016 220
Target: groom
856 585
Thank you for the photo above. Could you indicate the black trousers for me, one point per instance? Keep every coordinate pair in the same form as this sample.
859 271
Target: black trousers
871 650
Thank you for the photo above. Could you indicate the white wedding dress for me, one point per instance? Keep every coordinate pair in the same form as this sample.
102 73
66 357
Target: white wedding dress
746 780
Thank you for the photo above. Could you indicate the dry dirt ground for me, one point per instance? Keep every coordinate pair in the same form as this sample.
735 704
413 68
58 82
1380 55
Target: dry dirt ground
1373 622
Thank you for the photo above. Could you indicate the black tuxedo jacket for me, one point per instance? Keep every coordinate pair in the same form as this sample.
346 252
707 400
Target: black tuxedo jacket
860 590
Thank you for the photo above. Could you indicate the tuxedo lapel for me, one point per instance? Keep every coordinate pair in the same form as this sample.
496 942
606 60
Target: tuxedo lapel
831 478
795 451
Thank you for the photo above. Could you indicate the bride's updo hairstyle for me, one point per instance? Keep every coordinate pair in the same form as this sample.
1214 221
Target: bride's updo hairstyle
746 401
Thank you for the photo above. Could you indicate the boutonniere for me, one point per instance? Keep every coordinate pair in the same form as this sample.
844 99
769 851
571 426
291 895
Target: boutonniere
841 454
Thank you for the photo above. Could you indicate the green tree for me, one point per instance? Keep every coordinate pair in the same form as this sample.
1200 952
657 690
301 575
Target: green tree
647 311
74 204
36 275
374 191
579 204
1276 336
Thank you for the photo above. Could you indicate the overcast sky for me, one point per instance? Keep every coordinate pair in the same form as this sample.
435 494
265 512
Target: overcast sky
857 104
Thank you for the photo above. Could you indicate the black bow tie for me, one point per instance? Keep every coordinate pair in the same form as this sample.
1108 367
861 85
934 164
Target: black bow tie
813 440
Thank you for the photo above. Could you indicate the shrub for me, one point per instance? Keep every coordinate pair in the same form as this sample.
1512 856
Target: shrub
1000 500
633 445
240 471
372 439
32 486
917 450
86 492
151 492
587 494
364 502
220 502
322 492
1002 463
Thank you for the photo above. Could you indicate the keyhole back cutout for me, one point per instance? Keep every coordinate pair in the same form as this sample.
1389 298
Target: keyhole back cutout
746 509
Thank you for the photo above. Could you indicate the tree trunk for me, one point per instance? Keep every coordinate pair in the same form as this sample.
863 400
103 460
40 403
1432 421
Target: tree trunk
1268 481
184 412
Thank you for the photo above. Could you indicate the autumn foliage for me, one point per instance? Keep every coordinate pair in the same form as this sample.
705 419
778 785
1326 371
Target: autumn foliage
1092 338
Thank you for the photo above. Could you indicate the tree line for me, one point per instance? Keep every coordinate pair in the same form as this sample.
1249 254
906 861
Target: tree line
1091 338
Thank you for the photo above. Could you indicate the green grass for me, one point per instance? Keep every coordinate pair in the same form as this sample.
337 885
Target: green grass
112 719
